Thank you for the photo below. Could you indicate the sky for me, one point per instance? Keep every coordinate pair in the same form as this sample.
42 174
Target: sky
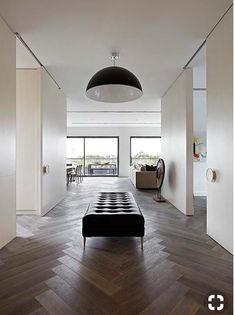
94 146
108 146
152 146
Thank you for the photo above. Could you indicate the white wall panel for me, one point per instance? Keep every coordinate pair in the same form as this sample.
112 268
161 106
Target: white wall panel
177 134
199 131
28 141
199 178
220 132
41 140
7 134
53 143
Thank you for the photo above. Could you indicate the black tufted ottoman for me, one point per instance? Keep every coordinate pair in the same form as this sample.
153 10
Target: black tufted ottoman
113 214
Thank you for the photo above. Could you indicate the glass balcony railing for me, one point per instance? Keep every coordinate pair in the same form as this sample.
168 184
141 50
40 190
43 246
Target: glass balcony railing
94 166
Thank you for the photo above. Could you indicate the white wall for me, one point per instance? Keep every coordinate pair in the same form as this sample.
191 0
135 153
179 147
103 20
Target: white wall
124 134
199 130
220 132
53 143
199 112
28 141
7 134
199 178
177 134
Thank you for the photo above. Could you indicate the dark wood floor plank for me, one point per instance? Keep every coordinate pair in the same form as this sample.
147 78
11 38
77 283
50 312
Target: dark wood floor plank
185 306
22 296
154 267
204 278
135 297
72 297
25 278
167 300
13 287
90 275
222 274
94 260
91 293
7 273
30 255
54 304
21 307
39 311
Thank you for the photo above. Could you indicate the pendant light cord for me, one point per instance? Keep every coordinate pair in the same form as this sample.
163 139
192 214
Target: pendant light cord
114 58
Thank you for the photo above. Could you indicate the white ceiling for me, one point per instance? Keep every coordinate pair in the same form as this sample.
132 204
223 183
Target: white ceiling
199 94
73 39
199 69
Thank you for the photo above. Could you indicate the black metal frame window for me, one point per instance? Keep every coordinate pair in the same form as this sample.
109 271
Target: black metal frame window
95 165
143 157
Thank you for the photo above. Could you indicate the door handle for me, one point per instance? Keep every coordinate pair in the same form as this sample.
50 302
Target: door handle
211 175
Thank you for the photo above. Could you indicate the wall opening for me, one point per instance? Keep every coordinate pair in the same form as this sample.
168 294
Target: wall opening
199 131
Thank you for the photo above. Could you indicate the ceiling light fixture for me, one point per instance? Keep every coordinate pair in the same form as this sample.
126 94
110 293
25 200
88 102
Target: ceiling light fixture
114 84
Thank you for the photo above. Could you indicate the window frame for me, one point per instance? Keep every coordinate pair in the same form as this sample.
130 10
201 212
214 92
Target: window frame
84 149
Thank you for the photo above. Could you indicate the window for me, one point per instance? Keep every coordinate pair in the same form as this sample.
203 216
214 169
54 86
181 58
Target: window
101 156
145 150
97 155
75 151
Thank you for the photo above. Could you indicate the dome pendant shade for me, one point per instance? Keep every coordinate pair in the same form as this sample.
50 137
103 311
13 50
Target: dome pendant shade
114 85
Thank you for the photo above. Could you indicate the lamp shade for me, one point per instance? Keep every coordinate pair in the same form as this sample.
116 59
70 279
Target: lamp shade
114 85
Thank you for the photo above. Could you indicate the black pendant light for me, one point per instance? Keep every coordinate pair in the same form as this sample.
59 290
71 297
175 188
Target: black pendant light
114 85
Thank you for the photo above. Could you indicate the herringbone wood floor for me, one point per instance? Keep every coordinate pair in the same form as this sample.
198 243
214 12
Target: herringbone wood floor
45 270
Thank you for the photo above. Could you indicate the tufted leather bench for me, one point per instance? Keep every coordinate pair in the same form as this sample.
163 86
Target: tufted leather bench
113 214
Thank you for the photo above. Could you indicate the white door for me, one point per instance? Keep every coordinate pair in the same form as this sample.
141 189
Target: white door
220 132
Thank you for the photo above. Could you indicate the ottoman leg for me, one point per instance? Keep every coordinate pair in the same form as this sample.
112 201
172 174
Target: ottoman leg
142 242
84 242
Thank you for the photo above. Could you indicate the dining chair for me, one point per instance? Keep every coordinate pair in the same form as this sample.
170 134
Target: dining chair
80 173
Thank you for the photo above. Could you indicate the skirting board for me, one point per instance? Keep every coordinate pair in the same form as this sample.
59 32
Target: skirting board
44 211
50 206
25 212
199 193
214 237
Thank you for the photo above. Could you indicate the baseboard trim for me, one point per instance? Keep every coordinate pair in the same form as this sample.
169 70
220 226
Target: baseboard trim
26 212
214 238
200 194
51 205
